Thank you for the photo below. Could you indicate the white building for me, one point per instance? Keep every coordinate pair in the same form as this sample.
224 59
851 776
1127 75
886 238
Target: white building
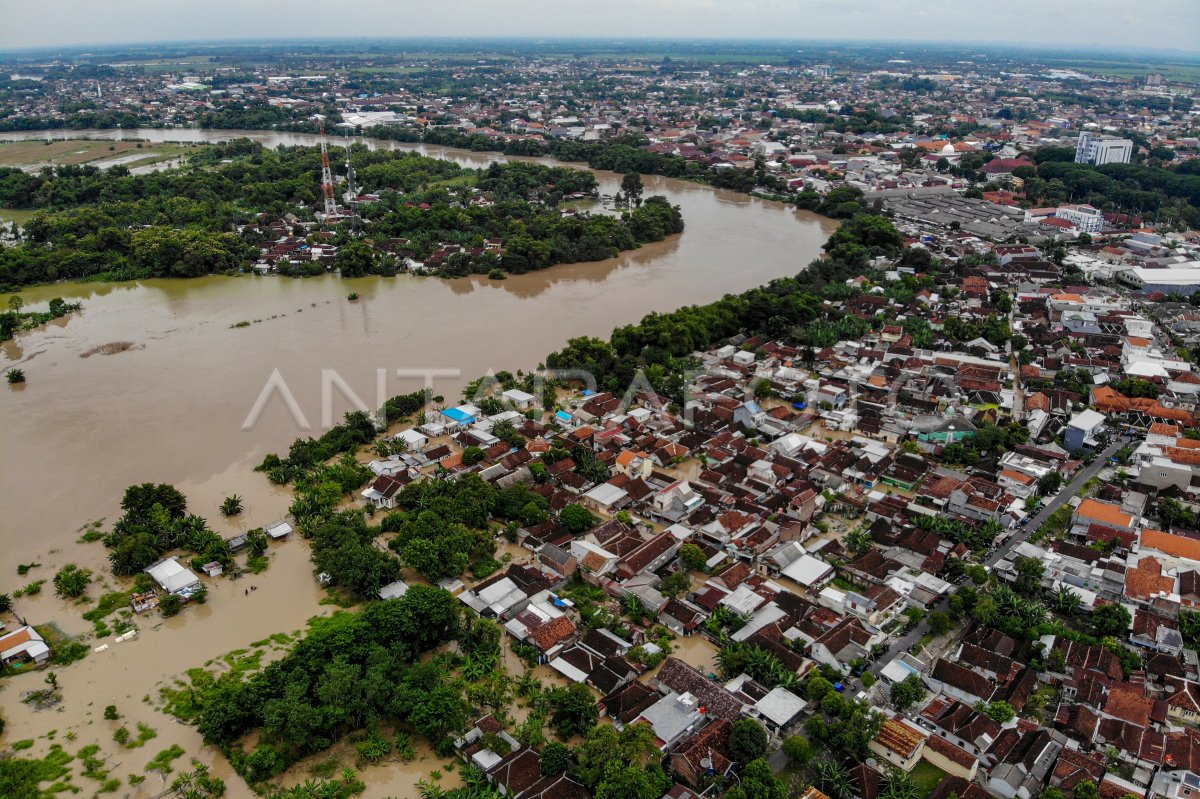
1097 149
1086 218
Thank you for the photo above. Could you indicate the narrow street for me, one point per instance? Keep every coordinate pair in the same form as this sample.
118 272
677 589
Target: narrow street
1017 538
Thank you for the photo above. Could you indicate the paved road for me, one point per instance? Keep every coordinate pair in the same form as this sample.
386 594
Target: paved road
1061 498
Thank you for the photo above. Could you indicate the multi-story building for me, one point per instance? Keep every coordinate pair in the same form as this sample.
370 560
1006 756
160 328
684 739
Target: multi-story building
1086 218
1097 150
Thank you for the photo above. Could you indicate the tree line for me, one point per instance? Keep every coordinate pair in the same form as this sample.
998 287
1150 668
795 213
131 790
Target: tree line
660 345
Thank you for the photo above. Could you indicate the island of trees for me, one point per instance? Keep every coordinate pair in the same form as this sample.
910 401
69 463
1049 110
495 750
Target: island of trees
219 212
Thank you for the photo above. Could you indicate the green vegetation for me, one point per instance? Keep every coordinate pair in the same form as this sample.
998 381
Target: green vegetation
976 537
747 741
1170 194
21 778
71 582
742 658
1056 523
109 224
660 345
926 777
32 589
162 761
171 604
351 671
907 692
156 521
231 506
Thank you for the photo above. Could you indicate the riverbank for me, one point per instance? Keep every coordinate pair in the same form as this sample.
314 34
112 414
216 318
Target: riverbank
177 398
188 378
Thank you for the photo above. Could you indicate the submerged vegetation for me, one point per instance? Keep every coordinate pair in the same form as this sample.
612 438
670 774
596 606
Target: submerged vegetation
15 319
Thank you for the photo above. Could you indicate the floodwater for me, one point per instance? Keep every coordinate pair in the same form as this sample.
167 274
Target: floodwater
172 408
174 404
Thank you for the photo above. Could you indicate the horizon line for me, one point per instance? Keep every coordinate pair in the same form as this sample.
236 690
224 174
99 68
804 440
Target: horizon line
1046 47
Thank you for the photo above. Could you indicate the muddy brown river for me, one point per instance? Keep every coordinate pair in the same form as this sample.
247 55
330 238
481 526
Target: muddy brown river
169 399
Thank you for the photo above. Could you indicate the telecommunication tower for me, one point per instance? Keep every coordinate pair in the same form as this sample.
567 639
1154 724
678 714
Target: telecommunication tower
326 177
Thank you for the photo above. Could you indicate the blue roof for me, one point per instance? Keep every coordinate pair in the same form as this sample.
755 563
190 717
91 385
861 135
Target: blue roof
563 415
457 415
587 392
753 407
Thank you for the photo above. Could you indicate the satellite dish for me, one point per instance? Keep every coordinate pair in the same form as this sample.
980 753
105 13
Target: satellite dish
706 763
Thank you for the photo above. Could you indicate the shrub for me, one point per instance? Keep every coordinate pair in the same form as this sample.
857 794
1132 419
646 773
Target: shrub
171 604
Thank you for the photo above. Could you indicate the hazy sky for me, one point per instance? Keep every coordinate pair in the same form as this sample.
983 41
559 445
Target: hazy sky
1148 23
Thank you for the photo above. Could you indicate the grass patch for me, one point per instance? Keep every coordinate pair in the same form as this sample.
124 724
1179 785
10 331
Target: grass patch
186 700
145 733
241 661
93 767
108 603
162 761
64 649
1056 523
24 777
33 589
485 568
338 598
927 777
18 215
19 746
326 768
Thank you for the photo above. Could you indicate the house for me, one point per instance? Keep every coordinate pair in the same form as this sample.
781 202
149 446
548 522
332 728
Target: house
173 578
650 556
605 497
520 400
808 571
459 418
779 708
674 717
1093 511
1022 759
899 743
704 755
412 439
472 749
676 676
677 500
878 605
383 491
960 682
23 645
1082 431
951 759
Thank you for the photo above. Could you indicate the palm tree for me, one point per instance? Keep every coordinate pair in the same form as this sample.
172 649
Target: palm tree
730 660
834 780
232 505
1066 601
15 376
761 664
898 785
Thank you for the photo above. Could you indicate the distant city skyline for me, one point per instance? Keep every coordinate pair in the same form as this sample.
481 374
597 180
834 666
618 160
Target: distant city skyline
1159 24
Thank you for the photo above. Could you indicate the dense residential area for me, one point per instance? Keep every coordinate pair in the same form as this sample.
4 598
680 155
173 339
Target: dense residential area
919 519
